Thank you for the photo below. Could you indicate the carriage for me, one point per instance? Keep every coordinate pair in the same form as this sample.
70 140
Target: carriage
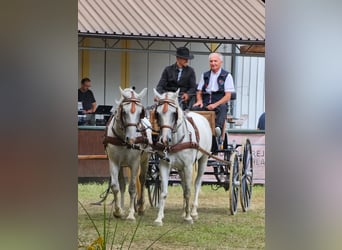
176 144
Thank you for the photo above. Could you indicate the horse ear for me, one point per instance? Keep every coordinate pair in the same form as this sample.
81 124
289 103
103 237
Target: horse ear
125 93
177 92
142 94
122 94
156 93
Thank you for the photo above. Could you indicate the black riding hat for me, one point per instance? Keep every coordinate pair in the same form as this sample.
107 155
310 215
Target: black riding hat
183 52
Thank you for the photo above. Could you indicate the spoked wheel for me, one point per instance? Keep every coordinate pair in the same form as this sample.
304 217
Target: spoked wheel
234 182
153 183
246 177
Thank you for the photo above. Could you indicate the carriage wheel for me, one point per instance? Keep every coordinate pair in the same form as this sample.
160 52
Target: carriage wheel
234 183
246 177
153 183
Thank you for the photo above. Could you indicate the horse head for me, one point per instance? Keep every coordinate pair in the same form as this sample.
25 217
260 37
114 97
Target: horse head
168 114
130 112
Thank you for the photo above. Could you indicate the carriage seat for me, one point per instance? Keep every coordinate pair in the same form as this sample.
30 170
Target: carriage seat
210 116
216 141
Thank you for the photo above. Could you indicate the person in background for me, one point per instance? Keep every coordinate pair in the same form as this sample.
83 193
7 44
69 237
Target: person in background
180 75
214 91
261 121
86 96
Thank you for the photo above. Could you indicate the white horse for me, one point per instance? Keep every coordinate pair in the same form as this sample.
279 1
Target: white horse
126 138
183 142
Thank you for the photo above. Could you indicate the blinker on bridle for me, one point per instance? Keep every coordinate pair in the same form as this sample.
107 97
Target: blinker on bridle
134 101
166 102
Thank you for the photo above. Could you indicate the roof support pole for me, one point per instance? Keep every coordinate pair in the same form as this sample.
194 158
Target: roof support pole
125 65
105 76
85 59
233 69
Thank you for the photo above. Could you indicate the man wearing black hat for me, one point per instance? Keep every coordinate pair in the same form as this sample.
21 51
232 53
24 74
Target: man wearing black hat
182 76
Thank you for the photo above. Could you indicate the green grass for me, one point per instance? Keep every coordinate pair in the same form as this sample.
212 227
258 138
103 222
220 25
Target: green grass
214 229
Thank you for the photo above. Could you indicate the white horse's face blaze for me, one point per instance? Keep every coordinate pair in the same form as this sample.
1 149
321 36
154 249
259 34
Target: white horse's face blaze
167 118
167 114
131 113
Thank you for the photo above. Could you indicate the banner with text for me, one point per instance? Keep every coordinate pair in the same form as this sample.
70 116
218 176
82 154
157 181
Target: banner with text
258 152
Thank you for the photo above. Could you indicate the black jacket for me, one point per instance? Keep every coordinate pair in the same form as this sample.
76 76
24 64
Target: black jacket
168 80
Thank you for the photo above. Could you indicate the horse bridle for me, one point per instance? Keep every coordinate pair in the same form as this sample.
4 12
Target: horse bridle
135 102
166 102
117 140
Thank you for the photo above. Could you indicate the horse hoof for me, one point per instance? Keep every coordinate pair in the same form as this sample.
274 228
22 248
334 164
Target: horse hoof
118 215
158 223
188 221
130 219
194 217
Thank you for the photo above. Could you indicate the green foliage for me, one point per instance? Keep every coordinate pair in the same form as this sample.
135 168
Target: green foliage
100 243
214 229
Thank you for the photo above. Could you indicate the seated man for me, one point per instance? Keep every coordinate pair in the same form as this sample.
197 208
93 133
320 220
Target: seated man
180 76
214 91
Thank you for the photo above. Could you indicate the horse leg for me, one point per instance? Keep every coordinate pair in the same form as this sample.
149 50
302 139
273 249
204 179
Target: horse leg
181 175
187 193
115 186
122 184
164 171
142 180
132 192
202 163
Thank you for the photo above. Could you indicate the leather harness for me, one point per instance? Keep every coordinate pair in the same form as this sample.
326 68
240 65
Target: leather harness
180 145
118 141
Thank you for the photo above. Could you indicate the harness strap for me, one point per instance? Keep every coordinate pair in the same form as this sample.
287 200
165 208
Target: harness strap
180 145
183 145
213 156
195 127
174 148
119 142
113 140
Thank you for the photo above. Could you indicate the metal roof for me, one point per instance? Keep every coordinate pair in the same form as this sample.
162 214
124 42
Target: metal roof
234 21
